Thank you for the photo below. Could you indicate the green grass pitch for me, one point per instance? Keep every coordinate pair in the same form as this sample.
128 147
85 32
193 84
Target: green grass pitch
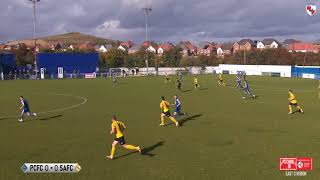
224 136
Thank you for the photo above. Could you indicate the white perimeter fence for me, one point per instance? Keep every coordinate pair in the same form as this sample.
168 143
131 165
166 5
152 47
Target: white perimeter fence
267 70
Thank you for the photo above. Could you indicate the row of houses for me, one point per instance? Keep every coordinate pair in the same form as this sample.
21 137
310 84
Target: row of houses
188 49
207 49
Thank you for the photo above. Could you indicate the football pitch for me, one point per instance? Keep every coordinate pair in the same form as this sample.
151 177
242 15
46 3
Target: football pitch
223 136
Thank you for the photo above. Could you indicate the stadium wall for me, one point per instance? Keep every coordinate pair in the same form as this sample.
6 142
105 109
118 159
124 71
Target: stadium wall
310 72
259 70
70 62
174 70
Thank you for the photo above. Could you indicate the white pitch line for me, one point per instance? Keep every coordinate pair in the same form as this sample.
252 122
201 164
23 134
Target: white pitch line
85 100
283 90
276 90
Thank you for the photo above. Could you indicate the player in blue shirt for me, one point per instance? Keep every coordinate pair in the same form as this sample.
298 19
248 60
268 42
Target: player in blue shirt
247 90
25 109
238 77
177 109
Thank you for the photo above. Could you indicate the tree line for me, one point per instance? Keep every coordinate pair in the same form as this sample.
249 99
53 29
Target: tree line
173 58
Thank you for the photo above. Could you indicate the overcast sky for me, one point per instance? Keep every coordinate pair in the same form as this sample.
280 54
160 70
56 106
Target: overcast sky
170 20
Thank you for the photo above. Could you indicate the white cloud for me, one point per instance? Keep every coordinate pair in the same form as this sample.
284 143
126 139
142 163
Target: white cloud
109 25
112 29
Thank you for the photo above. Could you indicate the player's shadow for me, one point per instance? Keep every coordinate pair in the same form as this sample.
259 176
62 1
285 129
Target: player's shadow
147 151
51 117
202 89
297 111
5 118
190 118
185 91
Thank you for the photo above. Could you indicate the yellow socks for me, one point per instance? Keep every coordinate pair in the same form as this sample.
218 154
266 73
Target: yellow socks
173 120
131 147
113 150
162 120
299 108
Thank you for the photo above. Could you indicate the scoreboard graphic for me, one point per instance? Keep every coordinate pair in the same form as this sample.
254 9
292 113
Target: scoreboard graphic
51 168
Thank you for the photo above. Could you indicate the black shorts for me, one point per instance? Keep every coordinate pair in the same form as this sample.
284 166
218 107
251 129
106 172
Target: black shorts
168 114
196 85
294 104
121 140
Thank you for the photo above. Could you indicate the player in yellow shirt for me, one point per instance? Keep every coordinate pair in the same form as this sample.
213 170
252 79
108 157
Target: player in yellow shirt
117 128
196 84
293 102
165 107
220 80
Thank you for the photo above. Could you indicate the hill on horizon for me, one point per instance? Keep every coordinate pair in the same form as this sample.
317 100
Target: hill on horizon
75 38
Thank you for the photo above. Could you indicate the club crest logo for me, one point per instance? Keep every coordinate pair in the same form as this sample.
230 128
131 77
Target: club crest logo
24 168
311 9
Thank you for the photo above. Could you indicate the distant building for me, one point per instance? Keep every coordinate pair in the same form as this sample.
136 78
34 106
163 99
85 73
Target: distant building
103 48
271 43
8 48
124 46
303 47
86 47
260 45
150 47
206 49
134 49
224 49
56 47
317 44
268 44
286 42
188 49
164 48
2 46
243 45
70 47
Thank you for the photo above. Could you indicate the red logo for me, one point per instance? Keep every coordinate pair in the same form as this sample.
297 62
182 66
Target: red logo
288 164
304 164
295 164
311 9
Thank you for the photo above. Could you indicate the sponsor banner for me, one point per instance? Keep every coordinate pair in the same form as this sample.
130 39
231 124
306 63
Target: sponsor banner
295 164
308 76
90 75
304 164
288 164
